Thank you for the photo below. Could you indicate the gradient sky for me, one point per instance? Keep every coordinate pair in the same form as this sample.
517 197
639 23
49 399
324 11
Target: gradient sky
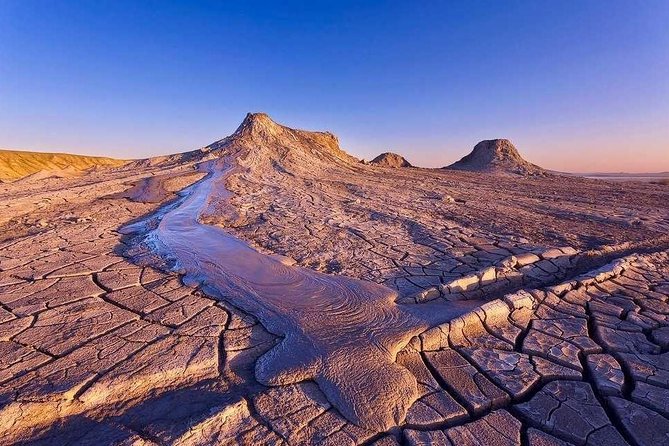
576 85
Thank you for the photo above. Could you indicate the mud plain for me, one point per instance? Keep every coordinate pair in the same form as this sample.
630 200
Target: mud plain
561 284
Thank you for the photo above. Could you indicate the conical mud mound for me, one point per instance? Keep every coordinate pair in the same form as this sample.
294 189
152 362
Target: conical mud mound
498 156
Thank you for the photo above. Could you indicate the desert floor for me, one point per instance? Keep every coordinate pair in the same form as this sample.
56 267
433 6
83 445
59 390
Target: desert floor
496 310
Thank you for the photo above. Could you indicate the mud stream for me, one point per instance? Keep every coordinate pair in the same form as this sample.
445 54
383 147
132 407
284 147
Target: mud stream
341 332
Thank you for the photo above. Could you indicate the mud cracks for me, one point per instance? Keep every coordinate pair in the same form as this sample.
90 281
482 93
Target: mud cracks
342 333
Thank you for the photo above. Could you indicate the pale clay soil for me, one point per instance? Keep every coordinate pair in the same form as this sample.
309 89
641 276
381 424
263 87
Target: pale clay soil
377 306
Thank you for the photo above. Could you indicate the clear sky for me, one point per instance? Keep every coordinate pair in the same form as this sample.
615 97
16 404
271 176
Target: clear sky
576 85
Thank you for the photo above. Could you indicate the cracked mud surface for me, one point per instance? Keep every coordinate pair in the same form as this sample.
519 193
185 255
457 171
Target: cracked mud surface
103 344
340 332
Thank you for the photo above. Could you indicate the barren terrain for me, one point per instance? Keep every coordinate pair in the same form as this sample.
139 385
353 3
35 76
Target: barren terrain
271 289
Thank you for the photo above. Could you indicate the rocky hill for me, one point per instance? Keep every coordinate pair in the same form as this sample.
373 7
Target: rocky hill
261 142
15 164
497 156
389 159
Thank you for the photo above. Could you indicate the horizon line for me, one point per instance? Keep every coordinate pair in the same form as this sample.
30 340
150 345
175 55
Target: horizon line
577 173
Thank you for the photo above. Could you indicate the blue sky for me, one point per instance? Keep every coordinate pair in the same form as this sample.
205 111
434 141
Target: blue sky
577 85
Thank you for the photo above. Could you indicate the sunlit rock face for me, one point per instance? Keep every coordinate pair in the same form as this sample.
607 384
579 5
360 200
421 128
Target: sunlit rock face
496 155
34 166
261 140
271 289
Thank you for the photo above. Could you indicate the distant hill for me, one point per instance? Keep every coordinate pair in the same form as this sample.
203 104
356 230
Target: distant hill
16 164
389 159
496 156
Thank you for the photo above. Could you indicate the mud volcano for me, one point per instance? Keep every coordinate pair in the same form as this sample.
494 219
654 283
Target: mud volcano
498 156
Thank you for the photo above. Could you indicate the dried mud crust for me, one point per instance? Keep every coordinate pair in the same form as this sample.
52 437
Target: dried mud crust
98 350
412 229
